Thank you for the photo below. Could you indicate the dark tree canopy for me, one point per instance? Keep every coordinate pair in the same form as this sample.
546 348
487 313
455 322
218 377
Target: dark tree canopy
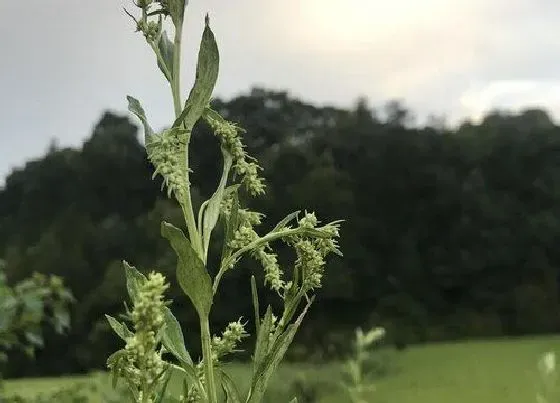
449 233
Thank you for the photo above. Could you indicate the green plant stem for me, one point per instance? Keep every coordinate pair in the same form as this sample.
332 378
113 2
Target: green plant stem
186 204
207 359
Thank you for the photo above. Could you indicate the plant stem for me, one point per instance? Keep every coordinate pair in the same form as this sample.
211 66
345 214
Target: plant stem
207 358
186 204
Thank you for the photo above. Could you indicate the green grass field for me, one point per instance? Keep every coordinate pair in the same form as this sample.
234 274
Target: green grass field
502 371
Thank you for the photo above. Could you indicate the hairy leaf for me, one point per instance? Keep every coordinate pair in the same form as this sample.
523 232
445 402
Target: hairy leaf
263 339
206 77
212 212
190 372
272 359
134 279
161 394
177 11
135 107
191 273
120 328
173 339
166 49
115 361
229 388
255 295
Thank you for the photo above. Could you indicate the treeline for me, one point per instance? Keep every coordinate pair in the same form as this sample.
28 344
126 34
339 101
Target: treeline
448 234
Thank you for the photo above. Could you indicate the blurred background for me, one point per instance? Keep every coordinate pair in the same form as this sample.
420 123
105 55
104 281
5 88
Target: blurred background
431 127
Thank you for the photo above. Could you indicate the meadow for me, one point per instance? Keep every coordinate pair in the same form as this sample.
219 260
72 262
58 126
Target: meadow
489 371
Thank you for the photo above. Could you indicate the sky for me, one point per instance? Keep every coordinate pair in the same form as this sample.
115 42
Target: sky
64 62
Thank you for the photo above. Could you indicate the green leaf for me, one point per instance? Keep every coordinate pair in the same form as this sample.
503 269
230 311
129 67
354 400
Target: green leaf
232 222
115 361
191 273
263 339
255 295
35 338
34 305
212 212
285 221
206 77
120 328
135 107
166 49
177 11
190 373
273 358
173 339
294 400
61 319
134 279
161 395
229 388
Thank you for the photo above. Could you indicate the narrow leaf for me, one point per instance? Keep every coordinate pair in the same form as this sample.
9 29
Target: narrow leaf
232 222
190 372
255 295
273 358
173 339
206 77
166 49
134 279
212 212
229 388
120 328
114 361
161 395
285 221
191 273
135 107
294 400
263 337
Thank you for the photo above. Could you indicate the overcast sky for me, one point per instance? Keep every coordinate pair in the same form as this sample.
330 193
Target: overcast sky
63 62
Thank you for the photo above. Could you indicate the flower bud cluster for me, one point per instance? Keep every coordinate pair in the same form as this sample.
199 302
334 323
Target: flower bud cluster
263 253
228 133
311 252
244 215
272 271
143 362
167 152
150 29
228 341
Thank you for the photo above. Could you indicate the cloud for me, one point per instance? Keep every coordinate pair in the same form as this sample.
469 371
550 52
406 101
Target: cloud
65 62
512 95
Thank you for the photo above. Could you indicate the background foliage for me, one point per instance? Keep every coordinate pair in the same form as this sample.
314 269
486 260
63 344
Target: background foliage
449 234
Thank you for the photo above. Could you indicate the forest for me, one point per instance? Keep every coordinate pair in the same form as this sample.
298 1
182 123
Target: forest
449 234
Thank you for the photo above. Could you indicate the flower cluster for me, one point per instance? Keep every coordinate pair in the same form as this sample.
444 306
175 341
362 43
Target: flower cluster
167 152
263 253
311 252
150 29
228 341
143 364
244 165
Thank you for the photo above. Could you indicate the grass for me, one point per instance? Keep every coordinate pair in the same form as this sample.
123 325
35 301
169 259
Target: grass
497 371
